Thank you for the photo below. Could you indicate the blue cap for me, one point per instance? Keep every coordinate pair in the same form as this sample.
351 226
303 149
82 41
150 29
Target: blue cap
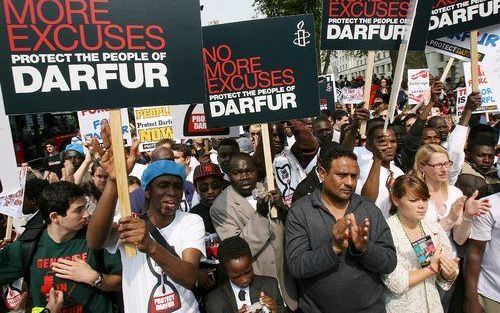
78 147
160 168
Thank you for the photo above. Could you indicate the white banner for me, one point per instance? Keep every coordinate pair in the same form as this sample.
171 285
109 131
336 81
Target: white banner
90 124
461 101
418 85
12 205
189 122
458 46
9 181
489 101
153 124
352 95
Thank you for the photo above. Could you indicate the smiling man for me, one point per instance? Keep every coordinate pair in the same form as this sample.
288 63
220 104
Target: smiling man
338 243
170 242
236 212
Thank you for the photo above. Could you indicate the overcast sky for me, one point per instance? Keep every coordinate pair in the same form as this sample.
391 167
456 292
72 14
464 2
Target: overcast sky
226 11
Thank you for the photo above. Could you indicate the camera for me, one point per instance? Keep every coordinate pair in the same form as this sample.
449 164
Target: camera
258 308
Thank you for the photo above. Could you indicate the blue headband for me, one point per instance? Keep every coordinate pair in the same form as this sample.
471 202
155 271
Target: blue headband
75 147
160 168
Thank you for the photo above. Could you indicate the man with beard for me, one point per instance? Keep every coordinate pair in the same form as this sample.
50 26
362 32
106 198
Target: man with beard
338 244
60 258
165 268
382 171
236 212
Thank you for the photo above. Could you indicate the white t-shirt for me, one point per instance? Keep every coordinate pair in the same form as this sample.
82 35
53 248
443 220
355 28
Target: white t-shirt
383 201
486 227
432 213
252 202
146 288
336 136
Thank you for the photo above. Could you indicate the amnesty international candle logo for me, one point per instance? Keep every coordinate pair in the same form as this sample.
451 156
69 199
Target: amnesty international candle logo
74 55
301 35
255 72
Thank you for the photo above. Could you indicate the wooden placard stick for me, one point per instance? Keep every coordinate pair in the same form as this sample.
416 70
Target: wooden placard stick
115 124
447 69
368 85
8 229
206 145
266 144
400 64
474 61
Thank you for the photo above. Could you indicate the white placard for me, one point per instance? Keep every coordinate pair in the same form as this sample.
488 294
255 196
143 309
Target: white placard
418 85
489 102
12 205
153 124
90 124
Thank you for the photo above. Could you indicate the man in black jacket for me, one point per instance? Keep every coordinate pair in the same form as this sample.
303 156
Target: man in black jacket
338 243
243 288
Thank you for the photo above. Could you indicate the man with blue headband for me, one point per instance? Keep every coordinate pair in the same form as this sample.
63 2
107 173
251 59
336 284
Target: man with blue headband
170 242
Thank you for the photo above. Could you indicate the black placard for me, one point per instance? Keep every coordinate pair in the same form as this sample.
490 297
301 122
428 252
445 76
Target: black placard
89 54
260 71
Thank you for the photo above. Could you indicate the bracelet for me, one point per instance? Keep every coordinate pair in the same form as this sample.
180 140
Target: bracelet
432 269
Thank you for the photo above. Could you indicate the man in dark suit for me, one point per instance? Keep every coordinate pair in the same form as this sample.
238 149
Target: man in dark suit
243 288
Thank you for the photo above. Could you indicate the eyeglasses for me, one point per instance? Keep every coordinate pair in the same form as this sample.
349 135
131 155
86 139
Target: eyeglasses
206 187
441 165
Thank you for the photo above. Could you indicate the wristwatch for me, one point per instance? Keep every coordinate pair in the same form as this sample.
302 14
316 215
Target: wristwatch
98 282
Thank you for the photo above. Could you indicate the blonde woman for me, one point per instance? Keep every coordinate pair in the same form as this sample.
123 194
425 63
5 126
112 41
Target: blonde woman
412 286
447 204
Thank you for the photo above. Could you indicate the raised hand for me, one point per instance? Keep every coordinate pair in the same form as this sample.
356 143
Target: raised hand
475 207
359 233
341 234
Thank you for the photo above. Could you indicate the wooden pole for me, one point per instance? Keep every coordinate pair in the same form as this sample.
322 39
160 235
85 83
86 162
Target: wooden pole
205 143
474 60
266 144
120 170
400 64
447 69
368 85
8 229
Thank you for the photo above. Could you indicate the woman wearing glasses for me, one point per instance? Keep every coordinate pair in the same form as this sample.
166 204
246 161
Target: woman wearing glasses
447 203
423 250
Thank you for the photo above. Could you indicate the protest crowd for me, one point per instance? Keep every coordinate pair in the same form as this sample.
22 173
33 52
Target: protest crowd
220 170
393 221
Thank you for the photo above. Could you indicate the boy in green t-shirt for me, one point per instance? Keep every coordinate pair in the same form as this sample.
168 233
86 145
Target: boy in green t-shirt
62 259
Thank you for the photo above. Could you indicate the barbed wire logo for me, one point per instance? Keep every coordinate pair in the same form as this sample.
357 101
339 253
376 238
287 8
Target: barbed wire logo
301 35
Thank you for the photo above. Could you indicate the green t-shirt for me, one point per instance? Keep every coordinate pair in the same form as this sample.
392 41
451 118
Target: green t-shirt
78 297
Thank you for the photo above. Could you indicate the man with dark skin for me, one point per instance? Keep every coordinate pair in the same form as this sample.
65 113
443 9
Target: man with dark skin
208 182
308 122
236 212
322 130
228 147
334 235
382 171
478 172
162 182
441 125
242 288
430 136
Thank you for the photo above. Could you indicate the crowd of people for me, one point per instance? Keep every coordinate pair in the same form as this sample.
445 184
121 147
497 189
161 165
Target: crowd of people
393 220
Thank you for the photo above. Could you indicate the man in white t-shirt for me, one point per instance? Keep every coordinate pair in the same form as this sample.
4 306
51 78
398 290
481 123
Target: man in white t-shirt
160 277
483 262
377 175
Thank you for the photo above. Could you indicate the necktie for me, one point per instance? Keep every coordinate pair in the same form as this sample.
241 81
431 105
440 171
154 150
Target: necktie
241 295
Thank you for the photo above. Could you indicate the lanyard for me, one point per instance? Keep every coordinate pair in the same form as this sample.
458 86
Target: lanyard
406 233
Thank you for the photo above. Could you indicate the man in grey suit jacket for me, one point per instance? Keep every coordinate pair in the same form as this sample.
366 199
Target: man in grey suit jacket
243 288
236 213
